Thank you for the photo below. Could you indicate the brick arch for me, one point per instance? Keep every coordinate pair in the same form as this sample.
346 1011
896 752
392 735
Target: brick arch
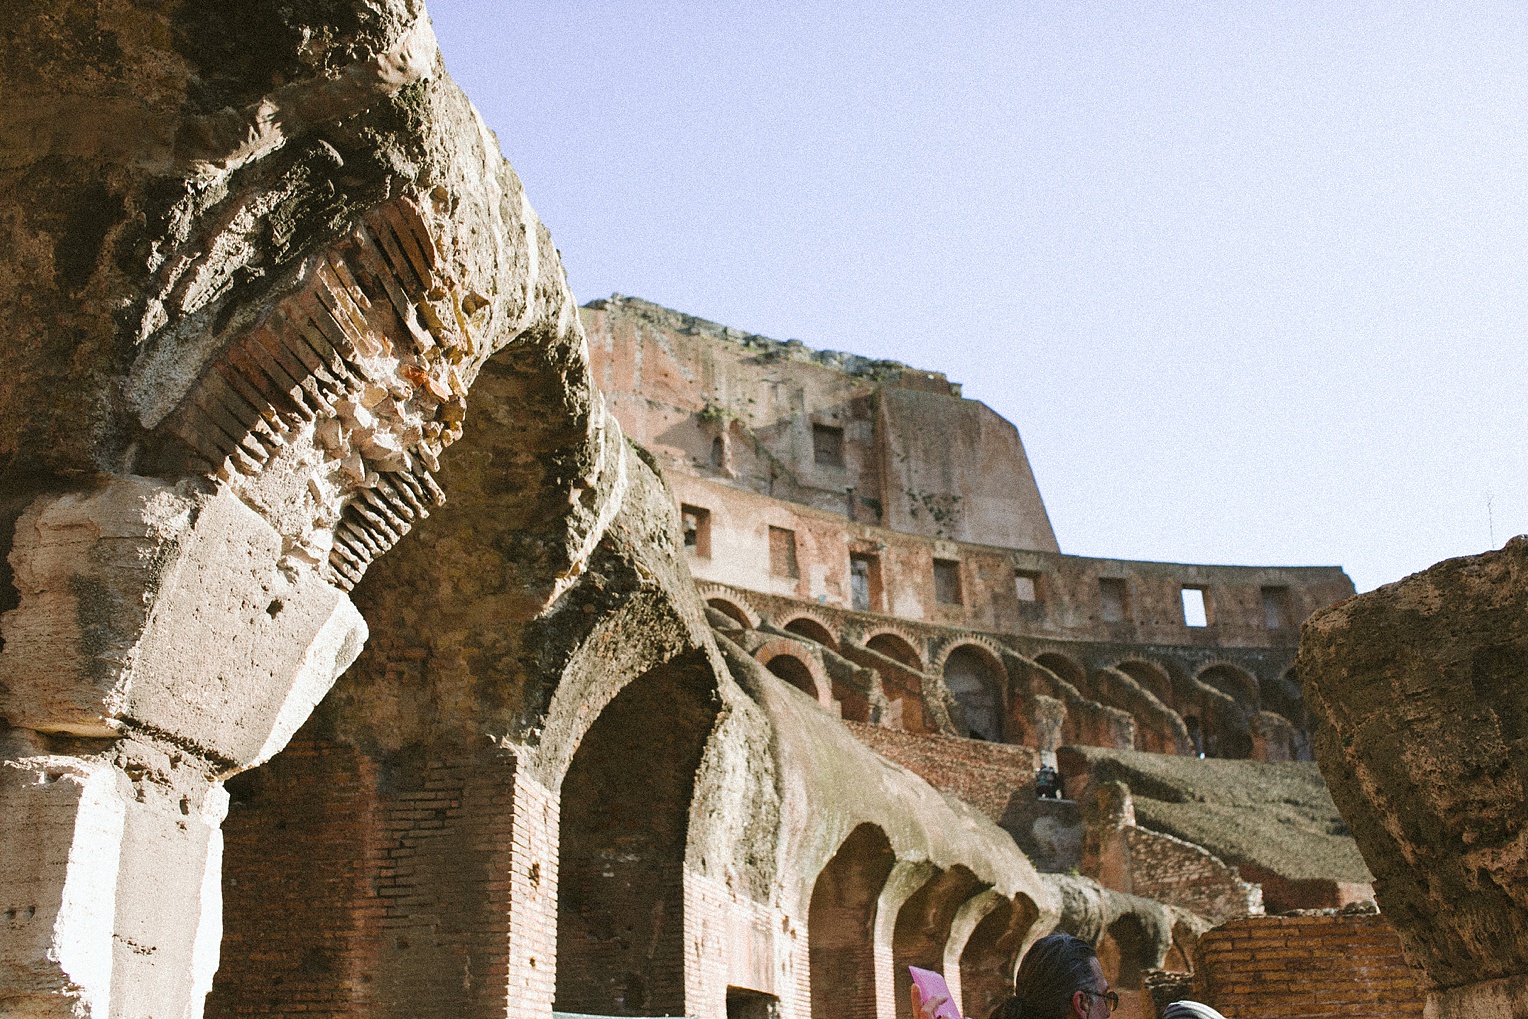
1232 680
625 809
895 637
974 677
1126 951
1064 668
796 667
923 927
1151 676
989 650
736 606
991 955
812 627
841 926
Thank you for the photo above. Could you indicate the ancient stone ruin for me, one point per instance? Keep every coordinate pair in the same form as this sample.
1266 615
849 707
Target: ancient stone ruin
383 634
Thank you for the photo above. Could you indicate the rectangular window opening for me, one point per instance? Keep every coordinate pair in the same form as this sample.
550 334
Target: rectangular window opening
696 522
1195 609
1278 612
1026 585
1113 600
828 445
782 553
947 581
864 582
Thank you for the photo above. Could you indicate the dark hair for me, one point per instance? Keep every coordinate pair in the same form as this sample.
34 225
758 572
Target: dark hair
1055 967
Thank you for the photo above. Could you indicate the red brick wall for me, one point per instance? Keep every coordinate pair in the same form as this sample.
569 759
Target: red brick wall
1291 967
354 886
1183 874
985 775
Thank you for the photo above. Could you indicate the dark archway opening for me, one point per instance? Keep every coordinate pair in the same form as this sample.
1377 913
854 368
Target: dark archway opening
794 671
991 954
895 648
975 683
923 927
841 926
624 821
733 612
812 630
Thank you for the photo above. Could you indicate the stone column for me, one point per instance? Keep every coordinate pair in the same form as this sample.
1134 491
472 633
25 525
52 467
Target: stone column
970 913
160 644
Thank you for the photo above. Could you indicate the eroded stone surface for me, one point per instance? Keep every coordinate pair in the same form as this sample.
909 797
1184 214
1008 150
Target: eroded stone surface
1421 689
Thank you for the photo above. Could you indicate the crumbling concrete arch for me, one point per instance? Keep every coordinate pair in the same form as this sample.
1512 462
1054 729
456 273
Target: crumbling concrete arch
989 956
623 836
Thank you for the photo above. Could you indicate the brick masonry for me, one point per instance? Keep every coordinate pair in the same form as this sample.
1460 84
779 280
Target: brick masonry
985 775
1182 874
1303 967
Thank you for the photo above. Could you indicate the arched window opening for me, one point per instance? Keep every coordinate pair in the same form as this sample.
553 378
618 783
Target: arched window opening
1064 669
841 926
1152 677
1126 952
972 680
991 955
1233 682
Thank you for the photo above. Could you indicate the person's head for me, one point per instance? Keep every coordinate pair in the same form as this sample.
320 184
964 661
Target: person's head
1060 978
1190 1010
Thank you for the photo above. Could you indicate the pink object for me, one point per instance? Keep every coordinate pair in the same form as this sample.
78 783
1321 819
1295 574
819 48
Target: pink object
930 985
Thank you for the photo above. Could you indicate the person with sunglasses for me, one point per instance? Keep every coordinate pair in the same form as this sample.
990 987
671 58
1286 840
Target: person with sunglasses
1060 978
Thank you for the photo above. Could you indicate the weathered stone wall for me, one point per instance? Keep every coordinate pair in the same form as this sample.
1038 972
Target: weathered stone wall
1422 695
1291 967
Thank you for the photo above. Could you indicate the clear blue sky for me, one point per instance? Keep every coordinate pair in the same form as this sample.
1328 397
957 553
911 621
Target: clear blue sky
1249 278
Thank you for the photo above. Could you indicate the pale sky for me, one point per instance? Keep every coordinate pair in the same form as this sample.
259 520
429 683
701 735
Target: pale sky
1248 278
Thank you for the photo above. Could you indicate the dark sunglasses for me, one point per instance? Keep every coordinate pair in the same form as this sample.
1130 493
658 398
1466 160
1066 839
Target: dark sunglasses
1112 997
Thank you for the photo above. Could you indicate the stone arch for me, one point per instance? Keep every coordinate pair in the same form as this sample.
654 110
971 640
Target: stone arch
731 603
897 646
1233 681
991 955
1151 676
902 678
977 681
923 927
813 629
1126 951
732 610
1284 696
1064 668
798 665
624 821
841 926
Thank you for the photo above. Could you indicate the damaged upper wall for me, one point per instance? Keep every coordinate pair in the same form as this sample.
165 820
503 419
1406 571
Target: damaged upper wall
1421 691
882 442
253 259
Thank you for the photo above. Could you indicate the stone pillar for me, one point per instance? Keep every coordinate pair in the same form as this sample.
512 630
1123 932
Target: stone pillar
160 643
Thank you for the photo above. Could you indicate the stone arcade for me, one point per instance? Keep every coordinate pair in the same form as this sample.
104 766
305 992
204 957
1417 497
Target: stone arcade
383 635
